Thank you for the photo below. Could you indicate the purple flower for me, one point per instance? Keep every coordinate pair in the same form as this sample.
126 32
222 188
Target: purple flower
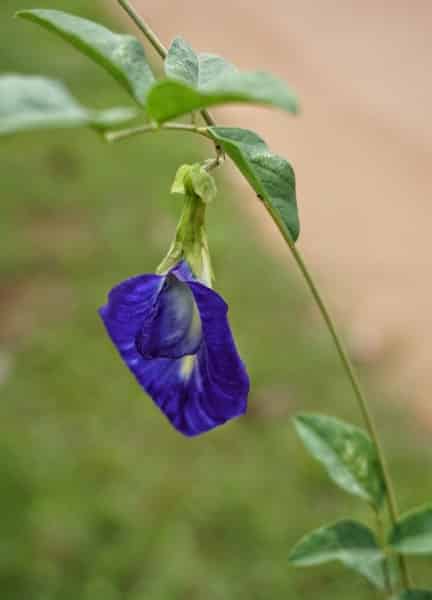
172 332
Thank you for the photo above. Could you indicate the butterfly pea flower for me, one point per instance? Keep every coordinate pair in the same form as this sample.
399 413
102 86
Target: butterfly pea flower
171 328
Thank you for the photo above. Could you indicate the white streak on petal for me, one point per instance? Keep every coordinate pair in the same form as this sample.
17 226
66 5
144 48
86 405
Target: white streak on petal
187 366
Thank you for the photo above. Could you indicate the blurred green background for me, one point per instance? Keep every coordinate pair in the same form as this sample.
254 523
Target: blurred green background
100 499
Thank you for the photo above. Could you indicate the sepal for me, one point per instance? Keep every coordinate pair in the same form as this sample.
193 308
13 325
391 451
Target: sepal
190 241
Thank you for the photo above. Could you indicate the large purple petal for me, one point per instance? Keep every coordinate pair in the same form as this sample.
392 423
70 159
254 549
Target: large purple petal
130 304
220 370
196 393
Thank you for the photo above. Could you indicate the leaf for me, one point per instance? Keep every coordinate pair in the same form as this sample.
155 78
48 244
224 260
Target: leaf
28 102
121 55
196 70
271 176
349 542
414 595
413 532
168 99
347 454
197 81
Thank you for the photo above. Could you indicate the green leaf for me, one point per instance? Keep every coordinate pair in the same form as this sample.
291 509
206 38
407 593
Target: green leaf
414 595
349 542
347 454
413 532
121 55
271 176
196 70
28 102
168 99
198 81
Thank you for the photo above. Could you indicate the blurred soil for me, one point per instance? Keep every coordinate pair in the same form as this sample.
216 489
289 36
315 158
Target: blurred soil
362 151
35 302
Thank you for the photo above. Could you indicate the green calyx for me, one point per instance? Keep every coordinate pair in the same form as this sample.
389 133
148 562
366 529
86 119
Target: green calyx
195 180
190 242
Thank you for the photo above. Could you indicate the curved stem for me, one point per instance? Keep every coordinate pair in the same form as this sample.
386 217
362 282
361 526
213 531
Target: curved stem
142 25
351 374
343 355
114 136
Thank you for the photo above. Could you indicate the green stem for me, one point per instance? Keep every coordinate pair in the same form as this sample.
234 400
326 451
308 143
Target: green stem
114 136
386 566
355 384
343 355
142 25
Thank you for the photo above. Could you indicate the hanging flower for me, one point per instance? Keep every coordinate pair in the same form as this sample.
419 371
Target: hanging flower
172 331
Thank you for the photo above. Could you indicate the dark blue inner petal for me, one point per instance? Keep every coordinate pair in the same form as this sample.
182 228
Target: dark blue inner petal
183 271
173 329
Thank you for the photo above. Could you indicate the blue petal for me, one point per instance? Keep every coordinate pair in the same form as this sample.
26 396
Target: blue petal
222 374
183 271
130 304
174 330
196 393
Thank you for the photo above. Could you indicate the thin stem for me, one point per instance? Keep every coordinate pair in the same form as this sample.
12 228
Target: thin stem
343 355
157 45
142 25
386 566
213 163
355 384
114 136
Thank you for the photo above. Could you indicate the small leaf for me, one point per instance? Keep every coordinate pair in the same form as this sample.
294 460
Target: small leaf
346 452
196 70
28 102
349 542
271 176
413 532
414 595
197 81
121 55
168 99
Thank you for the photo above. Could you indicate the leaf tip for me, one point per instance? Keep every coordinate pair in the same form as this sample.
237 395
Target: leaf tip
302 419
293 557
296 108
23 13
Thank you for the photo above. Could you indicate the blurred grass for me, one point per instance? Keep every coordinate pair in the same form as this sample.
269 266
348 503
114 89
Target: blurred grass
100 499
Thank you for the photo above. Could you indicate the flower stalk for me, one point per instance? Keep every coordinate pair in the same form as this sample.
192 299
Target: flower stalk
354 381
115 136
